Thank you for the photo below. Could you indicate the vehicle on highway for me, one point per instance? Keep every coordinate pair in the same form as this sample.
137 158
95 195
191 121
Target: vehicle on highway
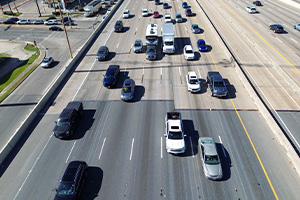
111 76
24 21
145 12
216 84
184 4
193 82
72 181
9 21
251 9
55 28
188 52
47 62
127 92
156 14
257 3
50 18
151 34
201 45
108 11
168 18
178 18
126 14
51 22
210 159
195 28
174 134
151 52
138 46
276 28
165 5
168 38
68 119
39 21
297 26
102 53
118 26
188 12
69 23
157 2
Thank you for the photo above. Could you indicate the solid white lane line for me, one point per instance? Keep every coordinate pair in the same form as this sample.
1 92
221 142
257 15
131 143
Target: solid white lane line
192 146
102 148
222 147
70 152
161 147
294 40
32 168
131 148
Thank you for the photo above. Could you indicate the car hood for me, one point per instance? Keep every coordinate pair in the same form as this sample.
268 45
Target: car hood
64 197
220 89
214 170
109 80
126 95
44 64
194 86
58 130
175 144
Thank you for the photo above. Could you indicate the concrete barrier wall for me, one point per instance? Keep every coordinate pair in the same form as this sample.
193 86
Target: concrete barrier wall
55 84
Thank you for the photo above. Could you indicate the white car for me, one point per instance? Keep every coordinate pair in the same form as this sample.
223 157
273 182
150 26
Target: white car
51 22
24 21
251 9
168 18
145 12
193 82
188 52
126 14
108 11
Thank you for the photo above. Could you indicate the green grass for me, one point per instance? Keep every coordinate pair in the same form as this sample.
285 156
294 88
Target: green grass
12 13
3 56
5 81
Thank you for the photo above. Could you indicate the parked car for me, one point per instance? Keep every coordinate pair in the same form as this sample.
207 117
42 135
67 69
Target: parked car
102 53
257 3
276 28
216 84
201 45
145 12
297 26
165 5
111 76
55 28
156 14
9 21
126 14
151 52
210 159
251 9
118 26
168 18
188 52
51 22
178 17
195 28
127 93
72 181
39 21
184 4
188 12
138 46
193 82
50 18
24 21
47 62
14 19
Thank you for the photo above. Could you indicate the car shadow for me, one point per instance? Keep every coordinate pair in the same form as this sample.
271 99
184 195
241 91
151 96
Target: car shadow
231 90
54 64
209 48
92 184
110 56
197 55
131 16
123 75
180 42
184 19
139 93
225 161
191 138
125 28
203 86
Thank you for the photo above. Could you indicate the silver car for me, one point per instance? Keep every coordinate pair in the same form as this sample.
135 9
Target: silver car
210 159
47 62
178 17
195 28
138 46
127 93
151 52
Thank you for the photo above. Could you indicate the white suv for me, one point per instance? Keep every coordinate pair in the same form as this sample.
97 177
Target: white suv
192 81
126 14
188 52
168 18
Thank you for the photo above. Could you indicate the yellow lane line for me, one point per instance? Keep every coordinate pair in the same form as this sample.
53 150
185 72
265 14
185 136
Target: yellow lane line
249 138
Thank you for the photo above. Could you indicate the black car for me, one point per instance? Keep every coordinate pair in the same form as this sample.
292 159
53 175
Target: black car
257 3
9 21
111 76
102 53
14 19
67 120
118 26
188 12
276 28
157 2
165 5
55 28
67 19
72 181
50 18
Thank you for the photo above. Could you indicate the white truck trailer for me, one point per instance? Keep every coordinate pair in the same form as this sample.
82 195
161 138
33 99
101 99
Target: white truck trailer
168 43
92 8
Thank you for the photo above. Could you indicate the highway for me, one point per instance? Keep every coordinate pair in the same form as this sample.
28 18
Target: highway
123 143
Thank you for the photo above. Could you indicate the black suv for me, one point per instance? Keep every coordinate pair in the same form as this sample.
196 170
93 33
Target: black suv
276 28
111 76
72 181
67 120
119 26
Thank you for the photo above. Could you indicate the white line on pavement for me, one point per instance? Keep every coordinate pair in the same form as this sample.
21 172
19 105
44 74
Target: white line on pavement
131 148
102 148
192 146
161 147
222 146
70 152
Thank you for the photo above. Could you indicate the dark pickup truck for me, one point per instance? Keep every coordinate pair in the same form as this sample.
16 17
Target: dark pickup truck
66 122
216 84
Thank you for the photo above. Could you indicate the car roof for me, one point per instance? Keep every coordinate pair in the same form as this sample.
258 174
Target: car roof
277 25
201 41
71 171
128 82
192 73
209 145
112 68
48 58
188 47
103 48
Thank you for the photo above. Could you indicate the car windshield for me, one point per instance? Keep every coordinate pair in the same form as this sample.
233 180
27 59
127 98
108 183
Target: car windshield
170 43
219 84
201 43
126 12
175 135
137 44
62 122
195 26
189 51
155 13
126 89
151 38
211 160
101 51
65 189
167 17
193 81
46 60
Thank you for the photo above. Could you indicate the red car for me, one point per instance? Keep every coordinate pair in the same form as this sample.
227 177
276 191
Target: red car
155 14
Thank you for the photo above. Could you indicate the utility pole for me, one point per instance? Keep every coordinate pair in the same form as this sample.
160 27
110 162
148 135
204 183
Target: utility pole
38 7
62 21
10 8
16 6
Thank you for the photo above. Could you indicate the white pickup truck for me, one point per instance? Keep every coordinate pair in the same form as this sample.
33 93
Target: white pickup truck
174 133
